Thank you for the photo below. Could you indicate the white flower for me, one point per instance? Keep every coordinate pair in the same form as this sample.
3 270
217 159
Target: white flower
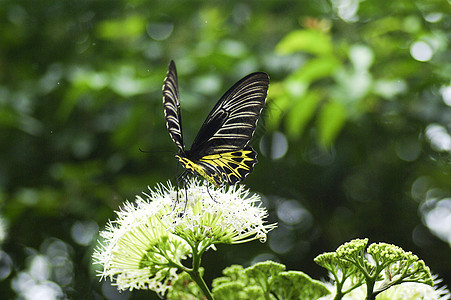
403 291
414 290
145 247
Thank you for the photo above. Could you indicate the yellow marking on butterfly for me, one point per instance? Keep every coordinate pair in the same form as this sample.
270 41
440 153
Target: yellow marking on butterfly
224 161
227 163
189 165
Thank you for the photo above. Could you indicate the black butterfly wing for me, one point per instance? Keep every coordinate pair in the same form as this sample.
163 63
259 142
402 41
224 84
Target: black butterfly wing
232 122
171 103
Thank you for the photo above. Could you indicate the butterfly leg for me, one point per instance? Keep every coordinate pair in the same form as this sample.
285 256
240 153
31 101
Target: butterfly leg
177 181
186 197
182 179
208 191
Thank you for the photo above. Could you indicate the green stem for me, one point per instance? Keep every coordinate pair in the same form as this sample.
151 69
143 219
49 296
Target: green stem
370 297
369 290
339 293
338 296
195 274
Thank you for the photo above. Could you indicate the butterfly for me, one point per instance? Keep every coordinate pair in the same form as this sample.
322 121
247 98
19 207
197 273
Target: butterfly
220 152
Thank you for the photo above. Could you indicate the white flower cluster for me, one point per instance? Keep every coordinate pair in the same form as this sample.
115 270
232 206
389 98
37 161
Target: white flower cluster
145 246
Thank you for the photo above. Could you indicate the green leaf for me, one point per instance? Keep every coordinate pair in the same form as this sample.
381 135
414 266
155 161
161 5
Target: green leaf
234 272
266 268
330 121
300 114
316 68
278 104
311 41
264 280
297 285
8 117
230 290
128 28
262 272
185 288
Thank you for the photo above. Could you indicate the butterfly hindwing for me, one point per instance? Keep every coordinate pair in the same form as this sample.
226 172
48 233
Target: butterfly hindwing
171 104
233 166
230 167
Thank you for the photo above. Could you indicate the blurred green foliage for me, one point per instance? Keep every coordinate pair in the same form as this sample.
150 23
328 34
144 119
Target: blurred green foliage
360 91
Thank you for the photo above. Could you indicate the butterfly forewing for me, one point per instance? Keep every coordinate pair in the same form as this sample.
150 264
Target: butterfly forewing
220 152
231 123
171 103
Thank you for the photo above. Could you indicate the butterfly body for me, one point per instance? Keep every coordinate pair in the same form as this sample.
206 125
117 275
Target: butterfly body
220 152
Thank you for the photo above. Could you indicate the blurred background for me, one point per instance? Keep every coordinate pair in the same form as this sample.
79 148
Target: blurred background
354 140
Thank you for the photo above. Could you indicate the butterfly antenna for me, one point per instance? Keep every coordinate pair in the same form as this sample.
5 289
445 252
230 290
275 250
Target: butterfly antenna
186 197
154 151
178 180
261 128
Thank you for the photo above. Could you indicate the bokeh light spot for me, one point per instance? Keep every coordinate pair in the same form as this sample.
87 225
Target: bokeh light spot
282 241
84 233
421 51
6 265
438 137
292 212
420 187
408 149
159 31
446 94
347 9
437 217
434 17
274 146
